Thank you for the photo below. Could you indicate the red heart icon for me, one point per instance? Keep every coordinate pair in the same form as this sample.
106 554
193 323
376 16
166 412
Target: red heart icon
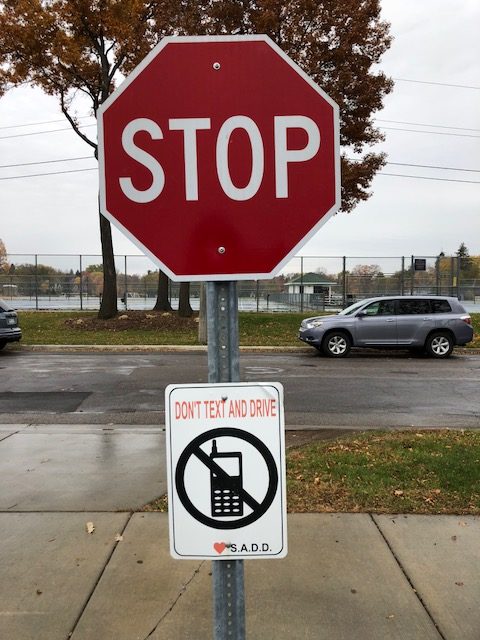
219 547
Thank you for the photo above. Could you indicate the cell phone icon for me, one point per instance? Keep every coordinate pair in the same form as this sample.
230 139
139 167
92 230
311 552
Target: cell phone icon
225 493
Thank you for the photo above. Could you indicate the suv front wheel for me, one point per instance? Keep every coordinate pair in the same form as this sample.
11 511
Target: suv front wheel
439 344
337 344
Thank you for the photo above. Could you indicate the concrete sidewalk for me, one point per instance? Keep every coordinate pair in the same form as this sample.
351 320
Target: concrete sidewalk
347 576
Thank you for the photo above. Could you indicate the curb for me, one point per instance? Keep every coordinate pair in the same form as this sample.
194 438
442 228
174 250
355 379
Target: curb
152 347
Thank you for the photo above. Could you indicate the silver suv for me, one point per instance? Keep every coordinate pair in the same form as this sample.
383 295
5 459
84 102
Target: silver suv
431 323
9 329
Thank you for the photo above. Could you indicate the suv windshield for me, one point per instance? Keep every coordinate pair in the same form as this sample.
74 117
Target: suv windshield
352 308
4 306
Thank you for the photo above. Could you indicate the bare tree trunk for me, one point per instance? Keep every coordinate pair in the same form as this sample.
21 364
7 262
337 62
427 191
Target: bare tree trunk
202 316
108 304
184 308
162 303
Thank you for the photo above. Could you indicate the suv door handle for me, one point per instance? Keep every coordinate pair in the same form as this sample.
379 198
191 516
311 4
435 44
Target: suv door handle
390 320
425 319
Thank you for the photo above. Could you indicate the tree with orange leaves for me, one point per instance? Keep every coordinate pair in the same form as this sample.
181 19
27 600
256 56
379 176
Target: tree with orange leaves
85 46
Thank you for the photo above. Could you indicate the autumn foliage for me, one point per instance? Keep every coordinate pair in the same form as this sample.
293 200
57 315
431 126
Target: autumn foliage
85 47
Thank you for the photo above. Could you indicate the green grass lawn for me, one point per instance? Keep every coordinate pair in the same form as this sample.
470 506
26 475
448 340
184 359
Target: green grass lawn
60 327
395 472
256 329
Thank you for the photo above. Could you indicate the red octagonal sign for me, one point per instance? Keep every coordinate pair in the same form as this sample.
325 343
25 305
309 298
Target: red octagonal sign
219 157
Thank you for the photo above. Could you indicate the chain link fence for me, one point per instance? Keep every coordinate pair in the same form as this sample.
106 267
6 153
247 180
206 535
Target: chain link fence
315 283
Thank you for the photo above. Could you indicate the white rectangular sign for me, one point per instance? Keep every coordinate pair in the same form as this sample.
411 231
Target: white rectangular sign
226 470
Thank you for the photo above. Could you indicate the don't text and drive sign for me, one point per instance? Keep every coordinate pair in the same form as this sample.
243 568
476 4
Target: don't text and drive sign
226 470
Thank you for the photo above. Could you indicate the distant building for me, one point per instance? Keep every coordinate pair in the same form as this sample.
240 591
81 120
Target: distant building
9 290
313 284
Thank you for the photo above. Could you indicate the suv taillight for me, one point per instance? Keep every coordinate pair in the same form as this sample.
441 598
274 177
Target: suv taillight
466 319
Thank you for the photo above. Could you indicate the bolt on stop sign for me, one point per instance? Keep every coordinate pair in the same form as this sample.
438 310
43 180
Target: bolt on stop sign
219 157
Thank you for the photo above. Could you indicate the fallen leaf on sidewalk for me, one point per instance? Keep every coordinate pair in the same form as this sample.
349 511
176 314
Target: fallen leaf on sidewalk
454 538
90 527
118 537
398 492
459 584
390 617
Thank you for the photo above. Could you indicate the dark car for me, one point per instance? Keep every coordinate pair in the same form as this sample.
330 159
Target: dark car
9 329
431 323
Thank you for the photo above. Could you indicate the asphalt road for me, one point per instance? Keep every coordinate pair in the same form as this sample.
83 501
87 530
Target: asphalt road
363 391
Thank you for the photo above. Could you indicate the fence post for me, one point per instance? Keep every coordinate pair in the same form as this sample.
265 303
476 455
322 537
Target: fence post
301 284
437 275
458 275
125 292
412 275
344 281
258 295
402 278
452 275
36 282
81 283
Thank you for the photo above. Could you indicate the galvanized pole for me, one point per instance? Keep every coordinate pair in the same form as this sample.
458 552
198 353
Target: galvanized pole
224 366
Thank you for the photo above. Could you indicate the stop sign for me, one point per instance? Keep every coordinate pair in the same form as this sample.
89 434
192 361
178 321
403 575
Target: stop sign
219 157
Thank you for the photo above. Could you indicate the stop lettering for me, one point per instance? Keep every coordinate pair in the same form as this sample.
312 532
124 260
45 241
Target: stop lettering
190 128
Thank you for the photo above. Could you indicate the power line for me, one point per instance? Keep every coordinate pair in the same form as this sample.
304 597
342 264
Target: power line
401 175
35 124
441 84
52 173
437 133
36 133
420 124
432 166
29 164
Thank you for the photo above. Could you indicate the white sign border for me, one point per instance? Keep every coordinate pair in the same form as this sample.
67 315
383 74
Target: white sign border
101 157
282 480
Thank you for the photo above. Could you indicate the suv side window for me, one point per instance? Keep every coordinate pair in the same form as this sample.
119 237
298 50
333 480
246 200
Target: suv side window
440 306
413 307
381 308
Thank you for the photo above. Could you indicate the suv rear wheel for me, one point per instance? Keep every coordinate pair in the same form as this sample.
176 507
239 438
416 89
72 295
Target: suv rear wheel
439 344
336 344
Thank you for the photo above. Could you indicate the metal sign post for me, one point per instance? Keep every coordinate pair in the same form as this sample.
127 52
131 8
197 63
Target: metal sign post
224 366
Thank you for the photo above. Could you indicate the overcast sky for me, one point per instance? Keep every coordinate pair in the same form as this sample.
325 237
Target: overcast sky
436 41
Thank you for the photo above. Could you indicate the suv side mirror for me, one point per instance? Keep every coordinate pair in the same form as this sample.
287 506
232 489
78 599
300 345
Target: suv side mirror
361 314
